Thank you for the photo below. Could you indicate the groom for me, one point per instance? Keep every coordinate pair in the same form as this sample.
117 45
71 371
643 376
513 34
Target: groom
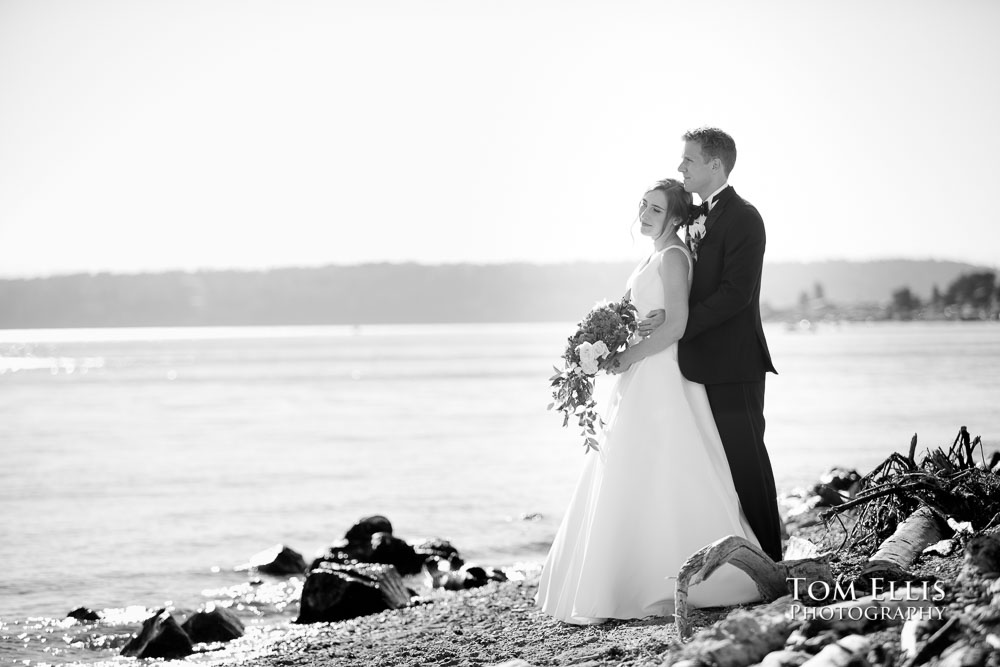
723 346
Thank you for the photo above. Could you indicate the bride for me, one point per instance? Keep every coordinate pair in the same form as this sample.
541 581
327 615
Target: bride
660 487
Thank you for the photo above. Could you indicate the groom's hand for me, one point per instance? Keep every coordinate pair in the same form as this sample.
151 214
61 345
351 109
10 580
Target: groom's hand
654 319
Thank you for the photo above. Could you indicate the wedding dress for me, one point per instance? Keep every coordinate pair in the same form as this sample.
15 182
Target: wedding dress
658 490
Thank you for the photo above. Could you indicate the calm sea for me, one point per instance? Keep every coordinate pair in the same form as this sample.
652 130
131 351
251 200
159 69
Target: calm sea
140 466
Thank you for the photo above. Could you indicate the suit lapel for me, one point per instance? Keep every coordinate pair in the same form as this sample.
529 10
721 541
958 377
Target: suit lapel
719 207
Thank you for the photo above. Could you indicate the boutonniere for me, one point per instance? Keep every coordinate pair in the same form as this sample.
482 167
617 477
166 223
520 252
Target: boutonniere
695 234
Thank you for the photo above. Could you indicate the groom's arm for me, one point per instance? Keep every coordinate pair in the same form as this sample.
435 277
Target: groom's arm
741 269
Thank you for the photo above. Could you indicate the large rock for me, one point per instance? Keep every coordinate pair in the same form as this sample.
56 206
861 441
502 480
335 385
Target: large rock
435 547
278 560
363 530
160 637
356 547
343 552
339 592
370 540
214 624
389 550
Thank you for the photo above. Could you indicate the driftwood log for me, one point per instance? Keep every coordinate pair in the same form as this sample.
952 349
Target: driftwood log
895 555
772 579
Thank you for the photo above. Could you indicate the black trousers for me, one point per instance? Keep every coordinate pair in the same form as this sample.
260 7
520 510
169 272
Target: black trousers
739 413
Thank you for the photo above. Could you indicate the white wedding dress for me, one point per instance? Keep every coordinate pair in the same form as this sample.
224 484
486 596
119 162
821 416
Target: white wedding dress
659 489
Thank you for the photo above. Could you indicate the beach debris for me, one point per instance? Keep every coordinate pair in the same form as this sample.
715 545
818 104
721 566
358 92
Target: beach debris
950 483
160 637
336 592
277 560
84 614
772 579
942 548
213 624
438 573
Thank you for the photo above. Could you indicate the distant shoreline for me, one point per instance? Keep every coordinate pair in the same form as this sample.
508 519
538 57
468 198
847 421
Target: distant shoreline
467 293
198 331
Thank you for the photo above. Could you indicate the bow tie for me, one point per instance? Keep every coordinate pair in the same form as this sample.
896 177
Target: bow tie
700 209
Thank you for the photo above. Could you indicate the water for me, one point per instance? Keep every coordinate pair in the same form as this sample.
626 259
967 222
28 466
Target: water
141 465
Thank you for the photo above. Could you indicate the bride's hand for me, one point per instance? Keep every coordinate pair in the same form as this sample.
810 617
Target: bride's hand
654 319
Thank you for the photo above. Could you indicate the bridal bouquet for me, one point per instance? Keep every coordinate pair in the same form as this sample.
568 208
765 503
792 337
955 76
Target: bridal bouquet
603 332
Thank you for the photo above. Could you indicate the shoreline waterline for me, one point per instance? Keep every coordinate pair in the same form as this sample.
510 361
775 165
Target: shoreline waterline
129 480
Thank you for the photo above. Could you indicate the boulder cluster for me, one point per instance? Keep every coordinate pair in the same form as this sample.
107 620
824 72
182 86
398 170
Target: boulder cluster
360 574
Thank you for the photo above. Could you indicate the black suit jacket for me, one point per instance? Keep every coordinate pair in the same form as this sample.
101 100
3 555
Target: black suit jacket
724 340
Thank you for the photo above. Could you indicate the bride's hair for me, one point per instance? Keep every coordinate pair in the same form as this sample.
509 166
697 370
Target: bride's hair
678 199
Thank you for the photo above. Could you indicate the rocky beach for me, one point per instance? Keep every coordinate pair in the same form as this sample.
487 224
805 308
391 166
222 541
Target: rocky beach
895 567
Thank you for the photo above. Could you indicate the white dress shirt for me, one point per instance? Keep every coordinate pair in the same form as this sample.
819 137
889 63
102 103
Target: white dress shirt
711 197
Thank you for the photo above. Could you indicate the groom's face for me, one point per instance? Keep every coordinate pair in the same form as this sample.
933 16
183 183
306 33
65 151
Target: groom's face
696 170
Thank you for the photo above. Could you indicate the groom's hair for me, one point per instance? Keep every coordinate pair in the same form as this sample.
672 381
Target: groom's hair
714 144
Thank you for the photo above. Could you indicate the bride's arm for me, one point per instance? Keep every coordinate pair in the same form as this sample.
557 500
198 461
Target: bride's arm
674 274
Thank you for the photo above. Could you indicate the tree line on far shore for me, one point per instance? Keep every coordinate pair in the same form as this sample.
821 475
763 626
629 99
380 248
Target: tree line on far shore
970 296
516 292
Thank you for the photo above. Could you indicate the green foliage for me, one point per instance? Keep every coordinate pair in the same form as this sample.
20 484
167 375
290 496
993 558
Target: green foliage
572 388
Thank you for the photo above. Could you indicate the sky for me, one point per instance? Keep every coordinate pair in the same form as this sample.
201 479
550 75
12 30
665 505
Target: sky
141 135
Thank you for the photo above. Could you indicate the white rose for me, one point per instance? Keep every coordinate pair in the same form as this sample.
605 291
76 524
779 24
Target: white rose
601 349
588 356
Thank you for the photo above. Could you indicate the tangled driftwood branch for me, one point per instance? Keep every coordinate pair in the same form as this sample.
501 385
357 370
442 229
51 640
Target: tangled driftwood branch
950 484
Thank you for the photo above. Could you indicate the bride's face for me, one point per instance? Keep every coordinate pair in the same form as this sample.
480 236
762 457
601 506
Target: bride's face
653 213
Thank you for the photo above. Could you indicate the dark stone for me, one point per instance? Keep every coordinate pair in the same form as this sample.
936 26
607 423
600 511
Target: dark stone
356 547
840 479
389 550
345 553
363 530
160 637
215 624
370 540
825 495
339 592
84 614
442 549
278 560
